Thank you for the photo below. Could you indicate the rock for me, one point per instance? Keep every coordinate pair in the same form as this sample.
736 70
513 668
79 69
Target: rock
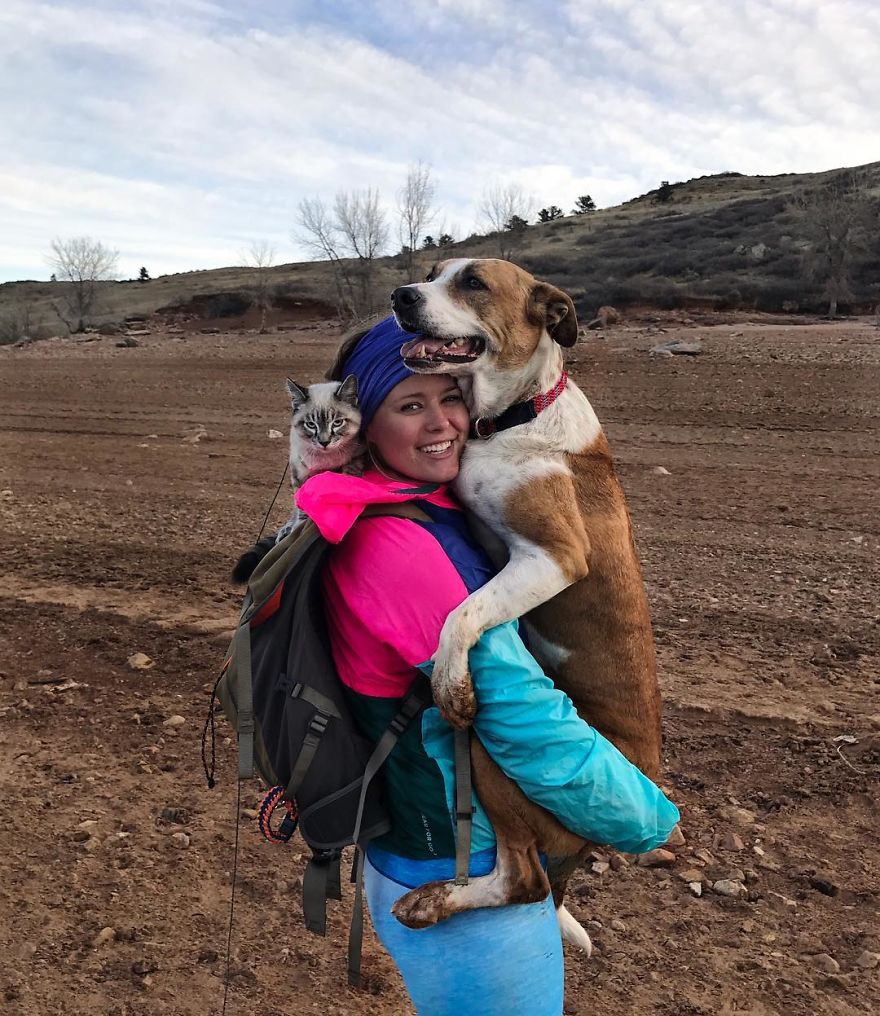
252 814
599 867
605 316
730 841
143 967
676 347
822 961
618 925
740 817
701 854
658 858
210 331
662 471
194 436
729 887
175 816
691 875
868 960
618 862
781 904
104 937
696 888
180 840
274 435
208 955
6 494
129 342
676 837
174 721
823 885
140 661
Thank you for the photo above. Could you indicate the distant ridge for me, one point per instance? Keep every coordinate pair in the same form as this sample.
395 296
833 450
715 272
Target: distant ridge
725 241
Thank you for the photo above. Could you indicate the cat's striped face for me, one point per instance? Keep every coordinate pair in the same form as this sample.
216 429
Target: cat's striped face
325 414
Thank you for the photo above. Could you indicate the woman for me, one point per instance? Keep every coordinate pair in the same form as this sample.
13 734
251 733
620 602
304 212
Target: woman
389 586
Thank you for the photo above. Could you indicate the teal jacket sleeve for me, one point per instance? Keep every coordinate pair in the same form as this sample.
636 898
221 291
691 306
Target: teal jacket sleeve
531 729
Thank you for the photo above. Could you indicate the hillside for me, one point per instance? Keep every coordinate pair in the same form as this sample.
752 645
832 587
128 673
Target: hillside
724 241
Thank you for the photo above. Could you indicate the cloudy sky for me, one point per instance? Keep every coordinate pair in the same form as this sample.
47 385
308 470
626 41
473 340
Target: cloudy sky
179 131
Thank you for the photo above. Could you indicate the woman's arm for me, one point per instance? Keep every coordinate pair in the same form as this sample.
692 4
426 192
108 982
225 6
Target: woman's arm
389 587
532 730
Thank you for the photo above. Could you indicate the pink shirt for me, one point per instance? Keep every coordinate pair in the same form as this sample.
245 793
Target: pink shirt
388 584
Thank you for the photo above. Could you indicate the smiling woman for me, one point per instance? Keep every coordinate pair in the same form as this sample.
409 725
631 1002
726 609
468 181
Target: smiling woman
419 431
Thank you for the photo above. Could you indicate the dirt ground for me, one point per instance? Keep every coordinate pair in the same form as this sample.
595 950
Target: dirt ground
130 479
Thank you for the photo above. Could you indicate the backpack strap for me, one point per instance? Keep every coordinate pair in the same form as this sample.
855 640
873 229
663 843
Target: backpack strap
242 646
464 805
412 705
317 725
399 510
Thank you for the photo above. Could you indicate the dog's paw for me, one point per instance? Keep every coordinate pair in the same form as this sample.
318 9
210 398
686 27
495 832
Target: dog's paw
455 699
425 906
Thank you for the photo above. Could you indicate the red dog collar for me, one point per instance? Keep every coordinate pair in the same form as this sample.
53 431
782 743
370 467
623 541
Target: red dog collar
519 412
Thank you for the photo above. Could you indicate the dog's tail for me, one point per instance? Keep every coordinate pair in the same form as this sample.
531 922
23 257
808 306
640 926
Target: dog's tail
573 932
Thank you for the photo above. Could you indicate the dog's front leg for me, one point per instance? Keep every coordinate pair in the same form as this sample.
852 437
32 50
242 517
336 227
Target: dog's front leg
532 576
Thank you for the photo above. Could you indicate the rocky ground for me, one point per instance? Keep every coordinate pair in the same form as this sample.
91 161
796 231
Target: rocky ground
131 477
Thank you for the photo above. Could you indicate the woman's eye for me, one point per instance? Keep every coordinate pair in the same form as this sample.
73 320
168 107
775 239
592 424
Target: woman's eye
453 397
409 406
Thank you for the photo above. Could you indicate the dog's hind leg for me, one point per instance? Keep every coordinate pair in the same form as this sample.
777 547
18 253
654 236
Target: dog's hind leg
521 828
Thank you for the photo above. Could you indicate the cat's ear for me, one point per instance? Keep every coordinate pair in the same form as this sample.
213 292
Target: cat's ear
298 394
348 391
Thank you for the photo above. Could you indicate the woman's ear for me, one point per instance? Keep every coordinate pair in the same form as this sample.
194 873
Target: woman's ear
556 312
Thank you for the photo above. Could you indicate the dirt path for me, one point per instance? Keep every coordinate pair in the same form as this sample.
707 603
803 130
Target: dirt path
129 480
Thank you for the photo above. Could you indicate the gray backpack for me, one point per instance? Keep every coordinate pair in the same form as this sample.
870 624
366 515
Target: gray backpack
280 691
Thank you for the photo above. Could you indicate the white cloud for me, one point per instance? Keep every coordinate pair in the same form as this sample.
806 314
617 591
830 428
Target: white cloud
184 130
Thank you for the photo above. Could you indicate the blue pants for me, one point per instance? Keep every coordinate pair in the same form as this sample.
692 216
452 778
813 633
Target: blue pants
491 962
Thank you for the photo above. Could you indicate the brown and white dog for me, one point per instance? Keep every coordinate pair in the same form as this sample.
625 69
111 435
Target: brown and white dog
547 488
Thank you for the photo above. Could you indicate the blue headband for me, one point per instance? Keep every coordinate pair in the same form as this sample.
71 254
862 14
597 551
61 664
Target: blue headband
378 366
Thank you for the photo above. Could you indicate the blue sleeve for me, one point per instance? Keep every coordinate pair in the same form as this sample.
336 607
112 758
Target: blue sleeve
531 729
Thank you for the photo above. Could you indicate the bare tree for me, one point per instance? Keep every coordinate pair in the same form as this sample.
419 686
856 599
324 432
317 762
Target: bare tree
415 207
351 238
260 258
317 232
82 262
505 210
836 220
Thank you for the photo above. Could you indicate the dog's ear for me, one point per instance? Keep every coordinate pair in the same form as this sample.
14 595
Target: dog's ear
298 394
334 373
555 310
348 391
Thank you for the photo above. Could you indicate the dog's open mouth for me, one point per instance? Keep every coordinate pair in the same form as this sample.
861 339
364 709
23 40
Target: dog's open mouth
424 350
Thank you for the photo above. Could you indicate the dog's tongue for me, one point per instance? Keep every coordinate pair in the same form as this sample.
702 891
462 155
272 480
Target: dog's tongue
421 347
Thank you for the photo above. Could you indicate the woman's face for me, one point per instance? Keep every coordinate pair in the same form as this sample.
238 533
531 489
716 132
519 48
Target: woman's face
420 429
